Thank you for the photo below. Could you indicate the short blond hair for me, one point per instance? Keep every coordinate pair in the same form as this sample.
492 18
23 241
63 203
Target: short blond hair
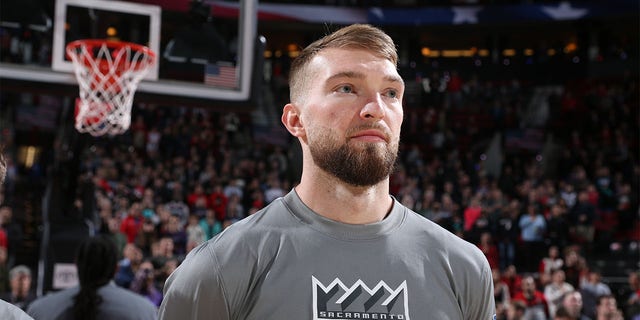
356 36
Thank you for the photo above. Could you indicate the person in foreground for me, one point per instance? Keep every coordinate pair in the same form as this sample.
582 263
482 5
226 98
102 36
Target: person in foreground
337 246
97 297
7 310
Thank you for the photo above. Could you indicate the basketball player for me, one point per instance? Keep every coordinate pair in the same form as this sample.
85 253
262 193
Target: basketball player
337 246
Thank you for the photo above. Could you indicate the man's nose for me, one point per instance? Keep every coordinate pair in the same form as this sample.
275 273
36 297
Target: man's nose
374 108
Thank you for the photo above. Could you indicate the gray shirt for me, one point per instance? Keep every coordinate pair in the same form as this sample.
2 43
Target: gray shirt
287 262
117 303
11 312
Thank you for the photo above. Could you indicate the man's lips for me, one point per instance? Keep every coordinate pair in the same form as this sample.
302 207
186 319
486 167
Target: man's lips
370 135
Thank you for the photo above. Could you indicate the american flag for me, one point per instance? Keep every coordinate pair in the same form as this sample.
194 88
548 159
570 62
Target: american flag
220 74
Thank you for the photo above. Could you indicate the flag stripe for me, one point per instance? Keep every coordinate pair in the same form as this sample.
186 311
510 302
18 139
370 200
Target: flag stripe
220 75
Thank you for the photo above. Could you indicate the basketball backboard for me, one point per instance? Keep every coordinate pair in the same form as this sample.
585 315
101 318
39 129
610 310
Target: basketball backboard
200 58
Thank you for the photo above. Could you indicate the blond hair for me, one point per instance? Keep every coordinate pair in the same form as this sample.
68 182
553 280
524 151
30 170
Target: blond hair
356 36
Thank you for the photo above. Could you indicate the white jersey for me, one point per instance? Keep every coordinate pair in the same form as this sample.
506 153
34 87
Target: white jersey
287 262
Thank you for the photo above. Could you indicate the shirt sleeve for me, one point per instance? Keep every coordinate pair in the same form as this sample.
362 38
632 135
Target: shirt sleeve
479 302
195 290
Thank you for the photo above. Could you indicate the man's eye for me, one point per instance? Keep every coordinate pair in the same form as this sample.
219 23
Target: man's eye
392 93
345 89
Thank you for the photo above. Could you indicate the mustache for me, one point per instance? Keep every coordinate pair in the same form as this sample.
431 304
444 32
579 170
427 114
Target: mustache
371 126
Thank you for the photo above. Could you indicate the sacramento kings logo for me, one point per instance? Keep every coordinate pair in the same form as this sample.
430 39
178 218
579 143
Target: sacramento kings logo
358 301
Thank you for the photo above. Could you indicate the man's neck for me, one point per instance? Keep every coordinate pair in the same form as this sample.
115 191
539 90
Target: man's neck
339 201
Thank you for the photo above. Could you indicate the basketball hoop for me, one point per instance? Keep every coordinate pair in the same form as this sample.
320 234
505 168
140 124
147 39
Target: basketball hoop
108 74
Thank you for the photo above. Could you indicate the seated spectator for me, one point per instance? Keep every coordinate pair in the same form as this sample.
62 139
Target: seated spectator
534 300
96 297
555 291
513 280
20 293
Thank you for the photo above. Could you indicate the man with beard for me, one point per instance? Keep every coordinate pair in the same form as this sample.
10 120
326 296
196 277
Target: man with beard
337 246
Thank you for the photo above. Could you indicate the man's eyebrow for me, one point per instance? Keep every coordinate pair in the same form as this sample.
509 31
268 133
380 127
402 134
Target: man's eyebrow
347 74
359 75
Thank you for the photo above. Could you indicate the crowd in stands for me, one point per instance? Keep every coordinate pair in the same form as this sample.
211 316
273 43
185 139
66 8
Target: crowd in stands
180 176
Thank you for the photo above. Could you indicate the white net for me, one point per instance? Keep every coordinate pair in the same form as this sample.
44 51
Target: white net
108 73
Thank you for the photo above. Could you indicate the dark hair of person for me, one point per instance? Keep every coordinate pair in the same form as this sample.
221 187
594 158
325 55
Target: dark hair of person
96 260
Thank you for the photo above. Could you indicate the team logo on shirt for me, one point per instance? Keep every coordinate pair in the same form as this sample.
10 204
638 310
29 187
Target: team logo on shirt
359 301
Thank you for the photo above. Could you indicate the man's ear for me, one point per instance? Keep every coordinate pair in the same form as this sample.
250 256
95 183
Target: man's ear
292 121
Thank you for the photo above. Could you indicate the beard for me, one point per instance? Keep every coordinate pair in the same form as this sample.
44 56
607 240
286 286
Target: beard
359 164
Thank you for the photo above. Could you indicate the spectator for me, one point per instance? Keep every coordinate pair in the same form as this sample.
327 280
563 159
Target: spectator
128 266
607 308
592 288
574 267
20 293
549 264
583 215
555 291
532 230
501 294
534 300
144 283
132 223
571 306
195 234
632 296
513 280
210 225
96 297
489 249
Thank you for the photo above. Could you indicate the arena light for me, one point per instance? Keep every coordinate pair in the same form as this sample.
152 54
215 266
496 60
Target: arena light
528 52
509 52
483 53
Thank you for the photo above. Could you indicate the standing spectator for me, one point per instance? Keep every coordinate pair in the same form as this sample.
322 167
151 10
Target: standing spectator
128 265
549 264
583 215
574 267
219 202
558 227
489 249
132 223
210 225
198 200
176 232
537 308
144 283
508 234
20 293
195 234
532 230
592 288
556 290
